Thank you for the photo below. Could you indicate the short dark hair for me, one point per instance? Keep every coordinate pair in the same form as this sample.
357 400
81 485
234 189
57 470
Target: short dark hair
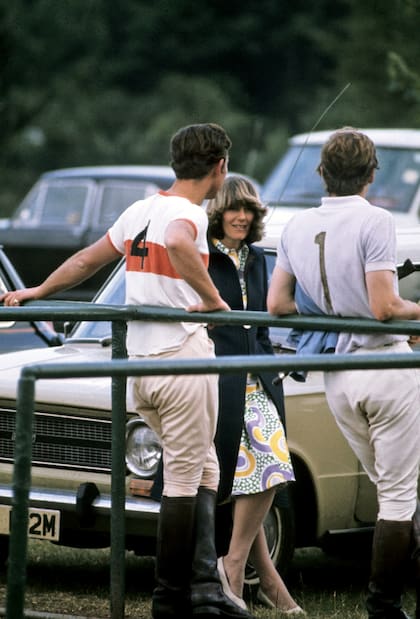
236 190
195 149
347 161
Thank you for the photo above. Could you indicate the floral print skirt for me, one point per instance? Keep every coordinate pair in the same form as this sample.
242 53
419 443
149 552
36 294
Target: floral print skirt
264 458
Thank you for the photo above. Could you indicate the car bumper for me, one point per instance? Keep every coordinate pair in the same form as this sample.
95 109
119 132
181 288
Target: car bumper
80 515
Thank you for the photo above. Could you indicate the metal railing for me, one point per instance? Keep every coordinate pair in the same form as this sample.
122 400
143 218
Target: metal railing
119 368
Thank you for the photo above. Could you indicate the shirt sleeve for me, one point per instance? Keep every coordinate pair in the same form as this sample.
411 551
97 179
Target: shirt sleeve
116 233
282 260
197 217
380 243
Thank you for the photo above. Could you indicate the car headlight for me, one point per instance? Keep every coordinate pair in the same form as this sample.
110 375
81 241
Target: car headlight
143 450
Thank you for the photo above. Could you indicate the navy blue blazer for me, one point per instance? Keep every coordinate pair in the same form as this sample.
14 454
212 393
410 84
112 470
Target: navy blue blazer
236 340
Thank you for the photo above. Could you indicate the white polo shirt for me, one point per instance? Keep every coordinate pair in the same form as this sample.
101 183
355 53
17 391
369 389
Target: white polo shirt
330 248
150 277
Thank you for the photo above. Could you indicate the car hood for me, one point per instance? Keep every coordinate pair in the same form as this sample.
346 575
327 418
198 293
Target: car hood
274 222
94 393
85 392
279 215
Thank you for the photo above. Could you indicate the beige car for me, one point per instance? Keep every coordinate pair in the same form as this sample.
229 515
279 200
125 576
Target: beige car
70 494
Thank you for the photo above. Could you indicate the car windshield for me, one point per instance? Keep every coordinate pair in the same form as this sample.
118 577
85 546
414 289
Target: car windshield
113 293
117 196
295 181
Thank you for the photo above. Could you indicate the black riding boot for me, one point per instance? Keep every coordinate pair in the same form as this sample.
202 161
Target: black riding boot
174 552
416 556
207 596
390 554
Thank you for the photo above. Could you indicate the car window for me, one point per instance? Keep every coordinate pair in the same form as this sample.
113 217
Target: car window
409 287
55 202
64 204
270 259
112 293
116 197
17 334
26 213
3 286
295 181
397 179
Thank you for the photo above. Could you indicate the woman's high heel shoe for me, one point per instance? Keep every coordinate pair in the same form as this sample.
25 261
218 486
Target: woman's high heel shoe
296 611
226 587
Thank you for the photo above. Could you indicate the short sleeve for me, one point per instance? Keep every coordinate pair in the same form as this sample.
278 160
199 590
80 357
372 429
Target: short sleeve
282 260
116 233
380 242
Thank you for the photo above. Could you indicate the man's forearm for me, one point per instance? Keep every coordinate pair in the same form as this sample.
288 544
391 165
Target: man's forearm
72 272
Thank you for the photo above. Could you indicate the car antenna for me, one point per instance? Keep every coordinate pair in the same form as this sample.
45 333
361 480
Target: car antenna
324 113
282 375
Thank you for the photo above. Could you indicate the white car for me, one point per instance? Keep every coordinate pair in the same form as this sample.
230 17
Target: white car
295 184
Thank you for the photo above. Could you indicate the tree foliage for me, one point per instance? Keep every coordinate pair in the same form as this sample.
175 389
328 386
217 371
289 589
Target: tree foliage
95 81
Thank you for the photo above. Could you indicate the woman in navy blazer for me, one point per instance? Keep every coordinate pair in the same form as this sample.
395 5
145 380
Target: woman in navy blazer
239 340
250 439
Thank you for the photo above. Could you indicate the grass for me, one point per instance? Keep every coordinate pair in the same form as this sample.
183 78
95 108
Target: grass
76 582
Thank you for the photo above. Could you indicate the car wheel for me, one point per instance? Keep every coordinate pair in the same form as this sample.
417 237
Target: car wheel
280 533
4 549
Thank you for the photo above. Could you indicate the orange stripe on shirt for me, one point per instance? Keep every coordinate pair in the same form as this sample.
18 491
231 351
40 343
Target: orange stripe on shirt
154 259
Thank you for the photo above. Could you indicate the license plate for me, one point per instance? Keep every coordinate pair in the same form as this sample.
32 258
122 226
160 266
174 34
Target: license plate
43 523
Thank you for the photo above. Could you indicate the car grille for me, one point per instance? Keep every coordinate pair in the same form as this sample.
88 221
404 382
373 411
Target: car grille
63 441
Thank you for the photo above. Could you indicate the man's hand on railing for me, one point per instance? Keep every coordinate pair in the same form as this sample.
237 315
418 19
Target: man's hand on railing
215 306
13 298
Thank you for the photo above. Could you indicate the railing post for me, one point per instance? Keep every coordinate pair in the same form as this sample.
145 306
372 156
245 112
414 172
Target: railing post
117 574
16 577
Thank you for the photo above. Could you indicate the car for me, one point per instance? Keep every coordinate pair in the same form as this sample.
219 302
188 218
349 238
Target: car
20 335
294 183
70 208
331 499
